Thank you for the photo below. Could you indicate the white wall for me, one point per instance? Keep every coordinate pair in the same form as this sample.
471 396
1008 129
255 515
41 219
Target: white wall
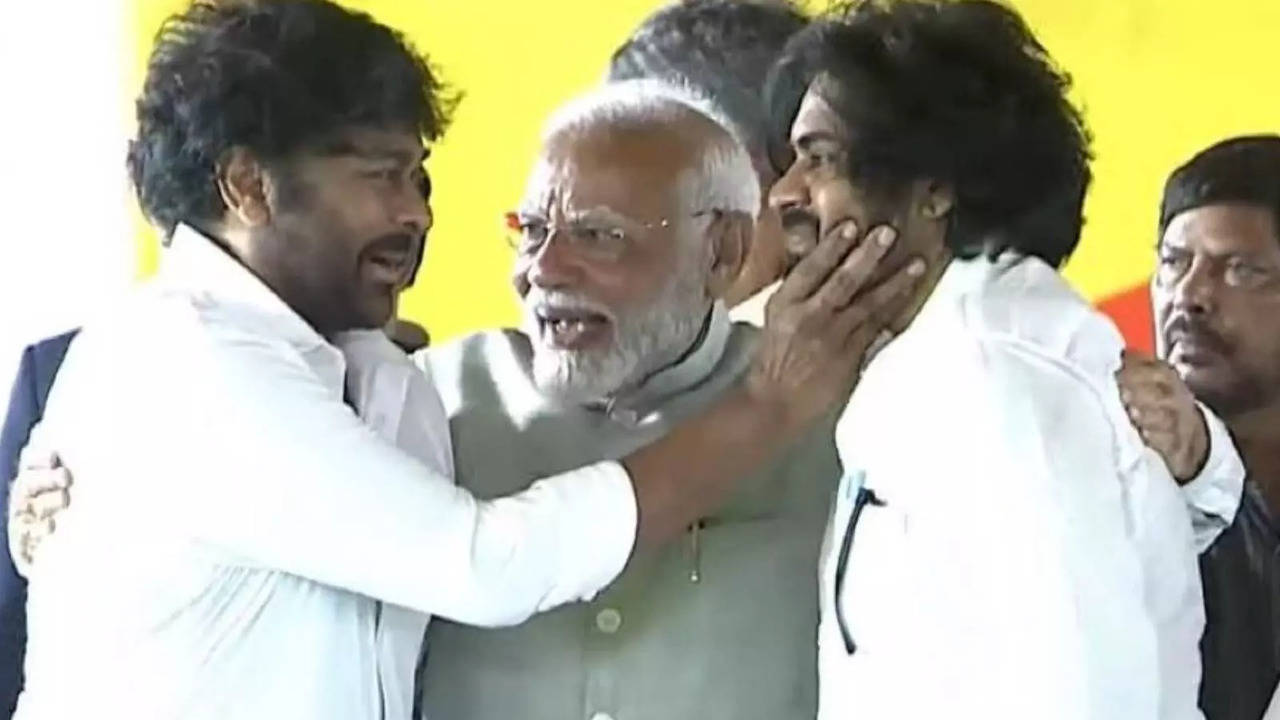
65 231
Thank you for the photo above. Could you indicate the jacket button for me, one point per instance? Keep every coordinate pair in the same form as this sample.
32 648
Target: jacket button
608 621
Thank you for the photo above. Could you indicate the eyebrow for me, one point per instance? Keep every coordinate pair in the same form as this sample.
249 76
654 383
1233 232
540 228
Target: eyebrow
805 141
598 212
602 212
403 157
399 157
1252 256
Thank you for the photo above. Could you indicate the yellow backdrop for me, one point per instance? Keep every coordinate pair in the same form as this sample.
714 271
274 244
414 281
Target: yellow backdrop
1158 79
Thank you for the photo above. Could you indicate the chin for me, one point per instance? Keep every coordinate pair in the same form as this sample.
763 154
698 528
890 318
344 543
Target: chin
374 312
1225 397
577 376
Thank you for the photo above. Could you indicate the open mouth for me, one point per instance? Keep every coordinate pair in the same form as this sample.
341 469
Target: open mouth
388 266
571 328
800 234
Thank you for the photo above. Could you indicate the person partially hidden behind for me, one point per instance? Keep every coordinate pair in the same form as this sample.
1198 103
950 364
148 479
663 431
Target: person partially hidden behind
723 49
1216 300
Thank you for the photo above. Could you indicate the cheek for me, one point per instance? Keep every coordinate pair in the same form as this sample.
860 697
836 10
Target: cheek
627 283
835 201
352 208
1255 328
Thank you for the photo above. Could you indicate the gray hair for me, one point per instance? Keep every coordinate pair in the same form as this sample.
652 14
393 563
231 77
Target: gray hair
722 179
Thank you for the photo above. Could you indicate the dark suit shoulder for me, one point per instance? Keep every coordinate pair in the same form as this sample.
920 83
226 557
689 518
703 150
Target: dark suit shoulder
46 357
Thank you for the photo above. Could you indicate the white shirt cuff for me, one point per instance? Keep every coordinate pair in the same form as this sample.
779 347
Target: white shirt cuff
1213 496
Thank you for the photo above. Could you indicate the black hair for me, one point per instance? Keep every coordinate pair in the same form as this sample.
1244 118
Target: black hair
271 76
958 92
1240 170
723 48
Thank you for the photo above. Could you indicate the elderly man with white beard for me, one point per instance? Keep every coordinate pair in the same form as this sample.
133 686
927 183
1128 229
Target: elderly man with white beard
634 223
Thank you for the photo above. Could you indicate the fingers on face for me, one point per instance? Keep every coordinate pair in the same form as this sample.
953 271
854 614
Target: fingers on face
815 267
851 277
879 304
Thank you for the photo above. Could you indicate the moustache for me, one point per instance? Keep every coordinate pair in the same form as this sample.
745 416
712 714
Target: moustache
800 228
1182 326
793 219
395 242
538 302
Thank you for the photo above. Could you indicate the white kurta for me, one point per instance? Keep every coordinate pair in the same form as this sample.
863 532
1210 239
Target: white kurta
238 536
1017 552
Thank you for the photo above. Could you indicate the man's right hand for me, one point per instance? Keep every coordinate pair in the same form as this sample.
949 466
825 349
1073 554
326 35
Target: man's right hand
38 494
818 327
823 319
1164 411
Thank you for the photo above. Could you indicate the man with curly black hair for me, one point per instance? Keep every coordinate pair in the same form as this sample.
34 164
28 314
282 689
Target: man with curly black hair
241 543
1003 545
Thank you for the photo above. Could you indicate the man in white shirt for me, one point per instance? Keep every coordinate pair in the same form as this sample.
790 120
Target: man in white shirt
1002 545
241 545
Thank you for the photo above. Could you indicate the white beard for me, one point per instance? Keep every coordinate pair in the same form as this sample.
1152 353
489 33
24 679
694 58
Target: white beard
646 339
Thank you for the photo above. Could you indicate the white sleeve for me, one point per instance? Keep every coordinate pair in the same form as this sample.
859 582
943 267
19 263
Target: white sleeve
1213 496
396 397
296 482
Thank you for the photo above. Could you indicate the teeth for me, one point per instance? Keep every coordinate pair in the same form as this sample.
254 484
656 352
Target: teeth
566 326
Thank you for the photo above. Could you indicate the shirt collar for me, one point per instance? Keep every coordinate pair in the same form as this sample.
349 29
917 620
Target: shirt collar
195 262
1020 296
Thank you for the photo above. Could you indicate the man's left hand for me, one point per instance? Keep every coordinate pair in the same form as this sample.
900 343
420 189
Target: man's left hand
1165 413
36 496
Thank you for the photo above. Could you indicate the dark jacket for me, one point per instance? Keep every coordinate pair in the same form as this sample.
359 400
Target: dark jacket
40 363
1241 644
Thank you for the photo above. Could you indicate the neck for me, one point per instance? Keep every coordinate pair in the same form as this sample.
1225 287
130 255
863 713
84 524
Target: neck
237 242
934 270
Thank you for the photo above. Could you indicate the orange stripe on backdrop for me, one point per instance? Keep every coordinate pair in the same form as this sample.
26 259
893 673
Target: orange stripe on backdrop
1158 80
1131 311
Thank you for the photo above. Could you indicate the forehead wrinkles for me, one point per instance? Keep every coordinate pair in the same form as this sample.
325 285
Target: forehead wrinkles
1224 231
